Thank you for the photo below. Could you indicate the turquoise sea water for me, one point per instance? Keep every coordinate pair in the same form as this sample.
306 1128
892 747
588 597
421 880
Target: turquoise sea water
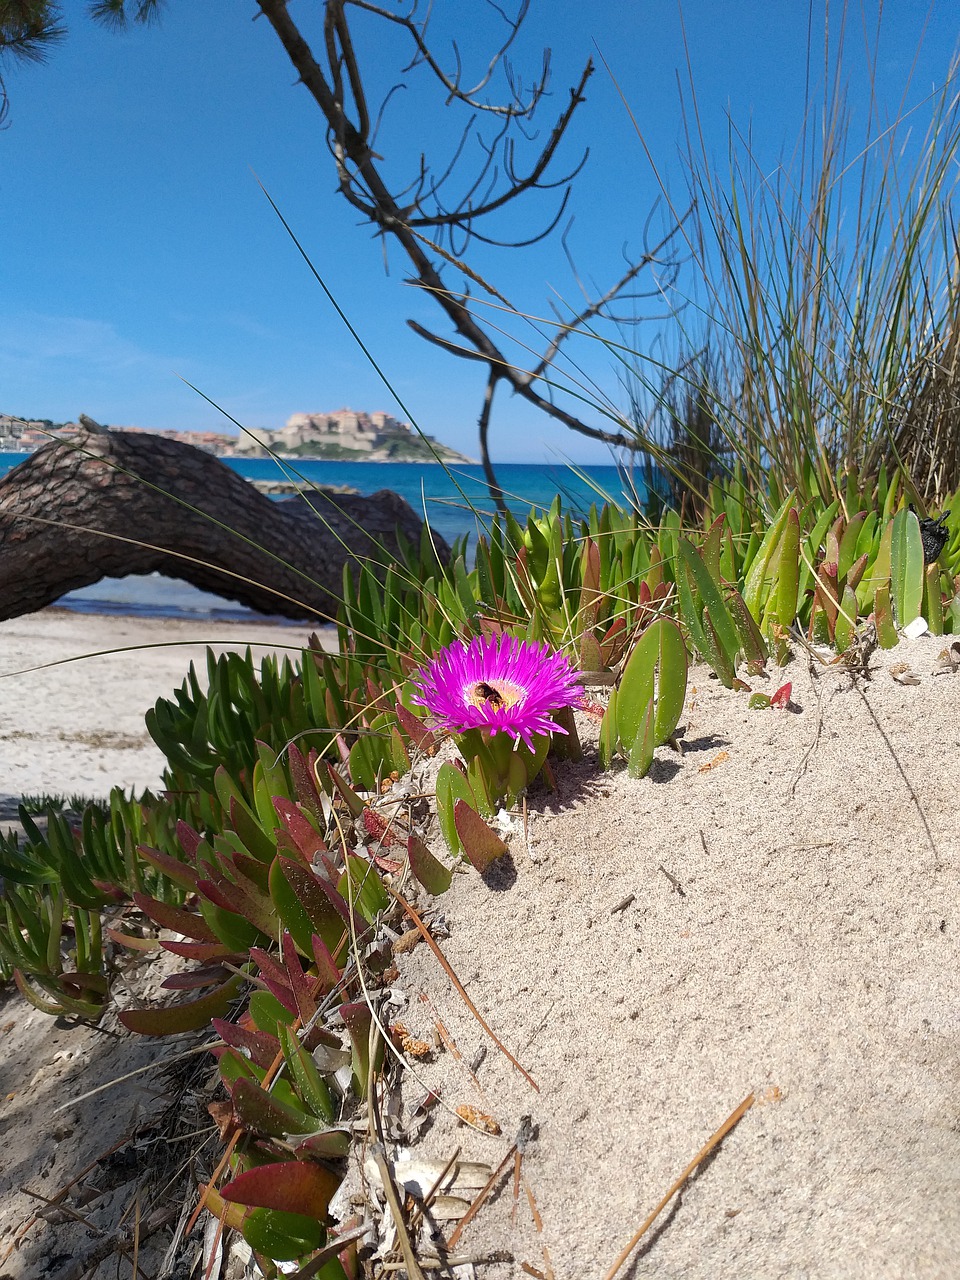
446 499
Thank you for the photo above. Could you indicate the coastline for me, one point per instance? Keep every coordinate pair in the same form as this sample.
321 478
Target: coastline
448 459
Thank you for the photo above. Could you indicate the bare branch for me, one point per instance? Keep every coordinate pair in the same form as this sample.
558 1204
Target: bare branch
483 429
425 55
405 214
353 71
595 308
532 180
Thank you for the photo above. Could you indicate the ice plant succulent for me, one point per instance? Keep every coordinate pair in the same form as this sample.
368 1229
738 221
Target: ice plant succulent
497 696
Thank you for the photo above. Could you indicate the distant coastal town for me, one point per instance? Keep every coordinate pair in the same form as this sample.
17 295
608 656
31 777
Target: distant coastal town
344 435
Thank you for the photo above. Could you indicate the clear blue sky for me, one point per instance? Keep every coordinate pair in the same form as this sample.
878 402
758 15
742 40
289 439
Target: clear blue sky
138 249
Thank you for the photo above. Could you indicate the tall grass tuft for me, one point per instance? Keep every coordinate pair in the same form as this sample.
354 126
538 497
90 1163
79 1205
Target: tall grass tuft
820 302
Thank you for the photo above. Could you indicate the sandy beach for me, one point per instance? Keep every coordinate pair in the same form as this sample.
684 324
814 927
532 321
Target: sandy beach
74 689
772 913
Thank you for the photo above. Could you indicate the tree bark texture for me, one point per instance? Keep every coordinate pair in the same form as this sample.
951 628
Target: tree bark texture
115 503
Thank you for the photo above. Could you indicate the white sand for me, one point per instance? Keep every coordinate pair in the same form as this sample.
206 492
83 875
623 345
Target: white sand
77 727
811 959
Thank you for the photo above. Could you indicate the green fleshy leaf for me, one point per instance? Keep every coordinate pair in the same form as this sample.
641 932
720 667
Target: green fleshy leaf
658 658
182 1017
263 1113
759 576
361 879
641 752
358 1020
452 786
312 1088
609 737
846 620
480 842
283 1237
906 567
305 907
430 871
268 1013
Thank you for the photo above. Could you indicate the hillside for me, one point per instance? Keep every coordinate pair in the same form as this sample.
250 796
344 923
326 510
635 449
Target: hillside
342 436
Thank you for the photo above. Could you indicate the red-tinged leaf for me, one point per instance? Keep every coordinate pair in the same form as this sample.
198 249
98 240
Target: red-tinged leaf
781 698
262 1047
259 1112
275 978
430 871
379 828
332 1144
79 982
480 842
293 1186
269 966
328 974
195 978
305 782
305 836
172 868
374 694
329 868
312 889
131 941
827 592
355 805
176 919
248 868
203 951
190 840
591 658
224 895
182 1017
390 865
109 890
300 984
304 908
611 642
289 847
418 733
246 903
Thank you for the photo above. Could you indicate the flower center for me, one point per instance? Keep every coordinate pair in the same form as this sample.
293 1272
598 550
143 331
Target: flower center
494 695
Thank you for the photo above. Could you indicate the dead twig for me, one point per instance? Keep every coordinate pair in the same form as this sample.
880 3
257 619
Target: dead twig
482 1194
674 882
731 1122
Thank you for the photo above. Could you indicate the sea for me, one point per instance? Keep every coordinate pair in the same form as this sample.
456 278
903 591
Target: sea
454 501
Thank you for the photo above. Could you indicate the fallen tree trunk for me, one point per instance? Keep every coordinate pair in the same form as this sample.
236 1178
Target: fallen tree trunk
112 503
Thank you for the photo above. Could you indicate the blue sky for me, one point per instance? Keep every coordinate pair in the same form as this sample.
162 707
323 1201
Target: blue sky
139 251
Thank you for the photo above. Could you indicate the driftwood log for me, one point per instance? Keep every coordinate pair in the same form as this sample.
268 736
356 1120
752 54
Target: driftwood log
112 503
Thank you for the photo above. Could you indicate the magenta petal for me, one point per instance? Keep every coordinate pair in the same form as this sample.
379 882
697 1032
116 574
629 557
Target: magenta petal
545 681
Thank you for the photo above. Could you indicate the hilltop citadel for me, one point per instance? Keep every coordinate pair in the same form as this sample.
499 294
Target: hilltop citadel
345 435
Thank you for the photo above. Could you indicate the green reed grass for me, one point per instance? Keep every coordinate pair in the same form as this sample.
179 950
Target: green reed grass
814 327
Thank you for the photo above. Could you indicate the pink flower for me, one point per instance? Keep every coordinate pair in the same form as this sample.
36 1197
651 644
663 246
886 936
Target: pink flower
499 685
